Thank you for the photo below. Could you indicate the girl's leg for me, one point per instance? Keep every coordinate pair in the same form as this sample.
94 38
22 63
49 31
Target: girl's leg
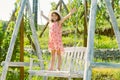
52 60
59 59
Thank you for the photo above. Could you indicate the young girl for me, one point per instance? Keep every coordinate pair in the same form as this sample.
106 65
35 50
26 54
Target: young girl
55 44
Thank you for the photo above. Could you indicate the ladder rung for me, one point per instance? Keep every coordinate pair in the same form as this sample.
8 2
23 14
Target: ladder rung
19 64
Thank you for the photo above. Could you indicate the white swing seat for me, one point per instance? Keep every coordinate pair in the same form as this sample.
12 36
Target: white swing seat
57 73
72 64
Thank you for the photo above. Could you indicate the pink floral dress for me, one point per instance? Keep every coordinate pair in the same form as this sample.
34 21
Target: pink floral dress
55 37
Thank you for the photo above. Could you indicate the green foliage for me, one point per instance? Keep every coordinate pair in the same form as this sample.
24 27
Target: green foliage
102 42
1 39
53 5
103 19
1 32
105 74
6 40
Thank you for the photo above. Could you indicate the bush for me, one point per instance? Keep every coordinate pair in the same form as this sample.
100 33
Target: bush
105 42
105 74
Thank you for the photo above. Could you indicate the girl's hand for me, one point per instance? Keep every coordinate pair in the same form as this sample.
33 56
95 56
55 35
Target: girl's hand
41 13
67 16
73 10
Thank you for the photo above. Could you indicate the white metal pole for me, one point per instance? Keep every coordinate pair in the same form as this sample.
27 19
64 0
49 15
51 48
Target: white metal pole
90 41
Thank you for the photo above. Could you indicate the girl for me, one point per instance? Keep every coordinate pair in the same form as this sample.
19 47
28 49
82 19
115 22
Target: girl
55 45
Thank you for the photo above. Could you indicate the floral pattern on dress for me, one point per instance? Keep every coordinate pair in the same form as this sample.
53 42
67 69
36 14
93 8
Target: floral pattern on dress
55 37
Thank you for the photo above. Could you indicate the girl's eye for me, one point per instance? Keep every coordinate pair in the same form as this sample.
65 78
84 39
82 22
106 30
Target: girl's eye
52 15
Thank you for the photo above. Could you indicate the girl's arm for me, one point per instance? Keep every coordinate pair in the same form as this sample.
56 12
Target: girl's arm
67 16
44 16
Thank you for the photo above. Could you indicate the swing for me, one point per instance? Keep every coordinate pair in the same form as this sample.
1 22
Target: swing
72 66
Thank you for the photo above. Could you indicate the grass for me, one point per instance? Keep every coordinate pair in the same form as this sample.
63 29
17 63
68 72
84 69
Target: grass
105 74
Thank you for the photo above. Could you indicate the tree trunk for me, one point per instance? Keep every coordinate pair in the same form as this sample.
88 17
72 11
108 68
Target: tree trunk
110 22
35 12
85 23
113 4
22 49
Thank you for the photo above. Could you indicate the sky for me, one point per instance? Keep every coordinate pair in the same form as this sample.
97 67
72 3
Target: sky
7 6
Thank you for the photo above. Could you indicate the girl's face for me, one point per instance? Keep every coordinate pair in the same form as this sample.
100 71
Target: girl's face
54 17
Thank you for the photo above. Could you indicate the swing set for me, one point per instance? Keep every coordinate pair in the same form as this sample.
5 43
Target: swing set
77 61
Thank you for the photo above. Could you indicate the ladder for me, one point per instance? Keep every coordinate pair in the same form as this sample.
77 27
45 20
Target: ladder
7 63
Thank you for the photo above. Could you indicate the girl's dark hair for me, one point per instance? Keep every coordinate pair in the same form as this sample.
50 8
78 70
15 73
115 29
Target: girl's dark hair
59 18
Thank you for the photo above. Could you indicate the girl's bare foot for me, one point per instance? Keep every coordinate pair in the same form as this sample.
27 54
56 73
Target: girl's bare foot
58 69
51 69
